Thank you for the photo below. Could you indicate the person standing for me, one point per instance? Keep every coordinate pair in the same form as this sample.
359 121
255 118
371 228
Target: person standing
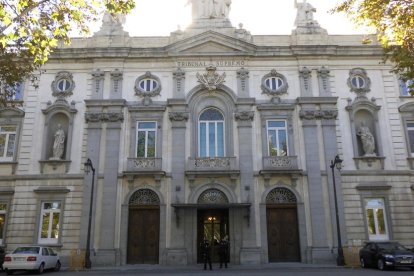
223 252
206 253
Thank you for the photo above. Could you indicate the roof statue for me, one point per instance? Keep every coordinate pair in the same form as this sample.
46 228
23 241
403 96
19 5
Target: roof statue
112 24
210 9
304 22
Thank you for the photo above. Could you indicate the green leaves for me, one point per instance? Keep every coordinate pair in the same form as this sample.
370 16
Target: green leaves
31 29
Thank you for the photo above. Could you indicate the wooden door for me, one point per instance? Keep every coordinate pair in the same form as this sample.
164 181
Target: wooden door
143 235
283 234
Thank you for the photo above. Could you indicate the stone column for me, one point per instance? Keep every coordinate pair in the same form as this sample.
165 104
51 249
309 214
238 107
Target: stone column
108 254
305 78
116 84
329 114
243 82
323 80
94 127
179 83
249 253
176 251
98 78
320 252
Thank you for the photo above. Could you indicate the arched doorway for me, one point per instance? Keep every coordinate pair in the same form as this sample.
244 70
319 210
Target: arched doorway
282 226
143 228
213 221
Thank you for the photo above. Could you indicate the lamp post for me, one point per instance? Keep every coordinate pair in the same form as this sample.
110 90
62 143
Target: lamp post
88 167
337 162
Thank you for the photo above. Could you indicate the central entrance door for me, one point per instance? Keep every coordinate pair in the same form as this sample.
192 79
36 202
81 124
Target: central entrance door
213 225
282 226
143 228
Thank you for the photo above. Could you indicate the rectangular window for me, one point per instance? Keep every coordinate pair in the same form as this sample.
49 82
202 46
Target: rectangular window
405 89
211 139
376 219
146 139
410 133
7 142
277 138
3 210
50 222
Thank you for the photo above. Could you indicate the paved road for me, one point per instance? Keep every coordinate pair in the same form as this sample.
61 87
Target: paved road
232 271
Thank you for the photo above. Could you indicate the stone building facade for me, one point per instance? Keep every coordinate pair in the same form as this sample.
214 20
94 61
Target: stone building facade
210 133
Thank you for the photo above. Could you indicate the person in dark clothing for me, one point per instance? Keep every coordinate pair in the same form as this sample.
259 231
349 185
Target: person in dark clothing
223 252
206 253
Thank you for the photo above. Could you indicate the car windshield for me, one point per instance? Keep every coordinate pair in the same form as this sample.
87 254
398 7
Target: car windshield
391 246
25 250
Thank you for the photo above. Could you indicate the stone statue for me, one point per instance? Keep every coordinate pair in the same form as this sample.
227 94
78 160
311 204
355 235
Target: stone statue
304 16
210 9
367 139
59 143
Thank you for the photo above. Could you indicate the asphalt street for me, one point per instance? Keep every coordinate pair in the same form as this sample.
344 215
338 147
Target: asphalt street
231 271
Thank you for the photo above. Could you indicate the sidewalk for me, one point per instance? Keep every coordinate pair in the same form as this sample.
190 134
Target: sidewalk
198 267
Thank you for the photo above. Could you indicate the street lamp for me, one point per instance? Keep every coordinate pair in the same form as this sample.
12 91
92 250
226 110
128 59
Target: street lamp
88 167
338 164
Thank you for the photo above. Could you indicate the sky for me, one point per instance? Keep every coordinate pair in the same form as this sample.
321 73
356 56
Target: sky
260 17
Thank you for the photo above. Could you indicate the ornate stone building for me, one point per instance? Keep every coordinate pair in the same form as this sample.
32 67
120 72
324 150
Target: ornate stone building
209 133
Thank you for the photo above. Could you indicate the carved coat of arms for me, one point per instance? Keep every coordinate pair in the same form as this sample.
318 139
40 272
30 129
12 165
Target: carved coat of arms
211 79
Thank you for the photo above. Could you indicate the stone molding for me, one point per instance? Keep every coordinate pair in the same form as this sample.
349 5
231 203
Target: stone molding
63 75
211 80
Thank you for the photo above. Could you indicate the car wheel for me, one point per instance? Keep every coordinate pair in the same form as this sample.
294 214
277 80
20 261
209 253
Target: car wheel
9 272
381 264
362 263
57 266
41 268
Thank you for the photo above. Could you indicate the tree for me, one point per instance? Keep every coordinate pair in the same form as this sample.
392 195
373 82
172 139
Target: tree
394 22
31 29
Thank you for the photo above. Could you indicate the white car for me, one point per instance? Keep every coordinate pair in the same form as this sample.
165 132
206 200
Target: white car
37 258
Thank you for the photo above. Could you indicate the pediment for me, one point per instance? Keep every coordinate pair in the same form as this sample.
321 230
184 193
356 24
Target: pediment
211 43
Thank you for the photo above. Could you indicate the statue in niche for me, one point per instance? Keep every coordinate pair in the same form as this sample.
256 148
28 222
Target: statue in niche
367 139
210 8
59 143
304 16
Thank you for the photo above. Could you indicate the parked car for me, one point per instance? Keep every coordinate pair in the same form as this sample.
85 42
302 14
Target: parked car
36 258
385 255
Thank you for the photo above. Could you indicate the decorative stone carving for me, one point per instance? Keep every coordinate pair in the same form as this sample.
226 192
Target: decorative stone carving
98 76
178 116
305 74
221 162
179 76
116 77
243 75
211 80
244 116
323 75
63 85
326 114
280 196
359 82
144 197
213 196
281 85
148 93
104 117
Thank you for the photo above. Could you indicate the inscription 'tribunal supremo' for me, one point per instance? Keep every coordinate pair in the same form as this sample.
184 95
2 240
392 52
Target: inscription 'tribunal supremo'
218 63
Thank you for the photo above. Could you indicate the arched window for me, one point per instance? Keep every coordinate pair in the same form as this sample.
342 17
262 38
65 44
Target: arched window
211 133
213 196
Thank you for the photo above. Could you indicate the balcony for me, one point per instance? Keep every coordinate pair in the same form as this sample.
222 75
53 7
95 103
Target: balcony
144 166
213 166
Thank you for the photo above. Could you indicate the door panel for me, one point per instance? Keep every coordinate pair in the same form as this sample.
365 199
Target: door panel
143 235
212 225
283 234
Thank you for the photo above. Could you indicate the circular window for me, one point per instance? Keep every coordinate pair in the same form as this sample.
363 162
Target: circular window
63 85
148 85
274 83
358 82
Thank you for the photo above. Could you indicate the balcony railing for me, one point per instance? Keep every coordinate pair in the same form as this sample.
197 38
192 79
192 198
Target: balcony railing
281 163
144 164
212 164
